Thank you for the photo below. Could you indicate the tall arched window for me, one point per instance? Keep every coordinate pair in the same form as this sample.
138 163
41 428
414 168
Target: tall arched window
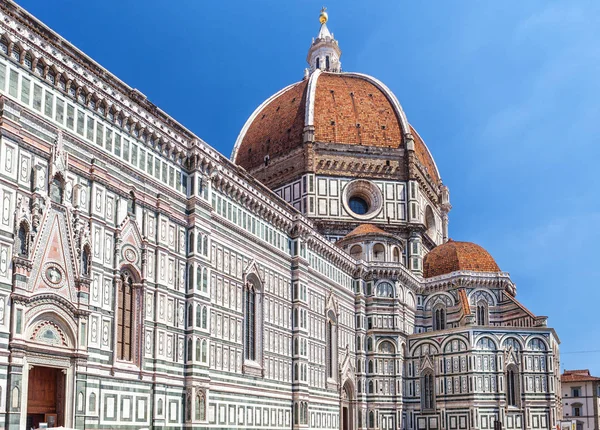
482 313
205 245
204 317
125 316
371 419
250 315
427 391
23 241
396 255
204 280
331 345
204 352
198 350
200 406
327 62
198 278
330 348
191 243
198 317
318 63
199 243
57 189
439 317
86 261
131 204
512 384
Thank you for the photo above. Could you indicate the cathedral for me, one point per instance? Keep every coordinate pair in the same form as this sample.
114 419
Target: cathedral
306 282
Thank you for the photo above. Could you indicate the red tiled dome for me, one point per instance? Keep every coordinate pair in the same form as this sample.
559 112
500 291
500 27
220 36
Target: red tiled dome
341 108
453 256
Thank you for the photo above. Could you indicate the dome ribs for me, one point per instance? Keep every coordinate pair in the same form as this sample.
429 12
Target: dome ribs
359 111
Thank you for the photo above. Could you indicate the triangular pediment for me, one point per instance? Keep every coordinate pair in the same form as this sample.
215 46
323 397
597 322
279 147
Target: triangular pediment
131 243
426 363
55 267
253 269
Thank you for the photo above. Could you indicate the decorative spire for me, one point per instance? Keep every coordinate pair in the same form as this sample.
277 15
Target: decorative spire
324 52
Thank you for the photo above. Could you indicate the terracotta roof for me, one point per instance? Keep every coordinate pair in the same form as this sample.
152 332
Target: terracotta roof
365 229
577 376
424 156
453 256
352 110
464 302
276 129
348 109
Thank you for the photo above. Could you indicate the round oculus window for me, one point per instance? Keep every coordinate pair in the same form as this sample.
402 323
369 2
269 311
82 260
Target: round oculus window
362 199
358 205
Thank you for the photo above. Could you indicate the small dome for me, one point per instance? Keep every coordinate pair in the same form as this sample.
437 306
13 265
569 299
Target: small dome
454 256
365 229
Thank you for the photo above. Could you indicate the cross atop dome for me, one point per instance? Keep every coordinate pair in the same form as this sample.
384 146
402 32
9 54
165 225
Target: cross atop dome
324 52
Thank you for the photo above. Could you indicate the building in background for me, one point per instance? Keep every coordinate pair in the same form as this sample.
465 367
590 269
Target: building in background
309 282
581 399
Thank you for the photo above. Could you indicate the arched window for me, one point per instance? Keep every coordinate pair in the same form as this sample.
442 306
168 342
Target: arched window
439 317
204 352
331 345
190 316
200 406
198 317
318 63
23 240
198 349
370 344
430 222
190 280
370 366
205 245
198 278
159 407
250 316
125 318
204 317
378 252
191 243
512 383
86 261
190 349
482 313
385 289
327 62
92 403
330 348
57 189
427 391
205 280
396 255
371 413
296 413
199 243
131 204
356 252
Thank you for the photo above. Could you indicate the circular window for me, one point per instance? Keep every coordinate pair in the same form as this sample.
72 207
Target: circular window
362 199
358 205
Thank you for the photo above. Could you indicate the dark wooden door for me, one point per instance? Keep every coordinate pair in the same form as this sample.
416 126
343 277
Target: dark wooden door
46 394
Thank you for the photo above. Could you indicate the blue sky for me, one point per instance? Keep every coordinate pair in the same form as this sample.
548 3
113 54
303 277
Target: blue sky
505 94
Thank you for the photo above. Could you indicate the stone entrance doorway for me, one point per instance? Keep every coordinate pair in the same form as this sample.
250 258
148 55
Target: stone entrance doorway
46 397
347 408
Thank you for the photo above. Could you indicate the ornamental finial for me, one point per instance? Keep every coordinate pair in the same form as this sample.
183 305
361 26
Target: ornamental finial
323 16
